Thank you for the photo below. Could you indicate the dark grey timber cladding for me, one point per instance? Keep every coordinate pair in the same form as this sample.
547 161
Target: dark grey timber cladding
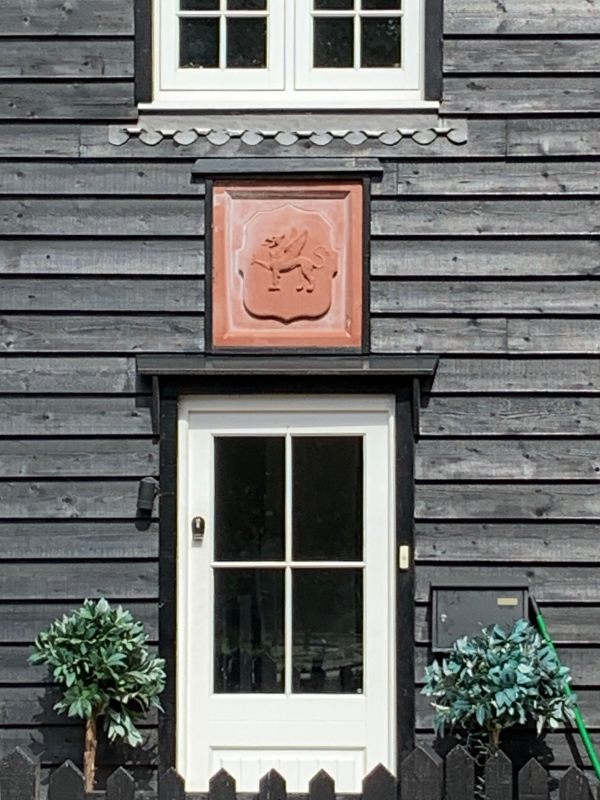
487 253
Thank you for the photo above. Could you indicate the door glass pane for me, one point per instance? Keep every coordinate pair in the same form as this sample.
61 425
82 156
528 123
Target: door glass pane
249 498
199 42
199 5
380 42
247 42
334 42
327 630
327 515
334 5
249 634
247 5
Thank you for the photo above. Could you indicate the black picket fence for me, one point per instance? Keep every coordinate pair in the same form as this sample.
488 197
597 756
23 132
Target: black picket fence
424 775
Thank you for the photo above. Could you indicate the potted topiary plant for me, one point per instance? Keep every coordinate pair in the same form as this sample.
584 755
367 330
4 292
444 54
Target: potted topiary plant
99 658
496 680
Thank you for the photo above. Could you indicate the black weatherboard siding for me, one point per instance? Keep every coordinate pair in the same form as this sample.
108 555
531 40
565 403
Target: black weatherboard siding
486 252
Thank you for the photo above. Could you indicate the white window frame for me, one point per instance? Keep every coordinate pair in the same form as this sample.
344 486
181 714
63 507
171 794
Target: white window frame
289 81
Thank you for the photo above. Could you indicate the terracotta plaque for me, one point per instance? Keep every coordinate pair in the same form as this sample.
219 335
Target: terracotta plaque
287 264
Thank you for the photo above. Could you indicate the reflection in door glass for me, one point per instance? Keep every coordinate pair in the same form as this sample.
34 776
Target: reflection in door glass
327 515
249 498
249 632
327 624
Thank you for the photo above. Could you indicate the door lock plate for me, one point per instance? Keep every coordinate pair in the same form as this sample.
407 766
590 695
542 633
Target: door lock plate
198 529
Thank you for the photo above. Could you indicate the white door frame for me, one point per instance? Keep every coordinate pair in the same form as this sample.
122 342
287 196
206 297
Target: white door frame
277 406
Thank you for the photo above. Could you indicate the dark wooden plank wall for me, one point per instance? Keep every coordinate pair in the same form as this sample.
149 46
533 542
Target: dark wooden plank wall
487 253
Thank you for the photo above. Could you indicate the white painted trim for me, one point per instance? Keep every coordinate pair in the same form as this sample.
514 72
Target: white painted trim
289 81
200 418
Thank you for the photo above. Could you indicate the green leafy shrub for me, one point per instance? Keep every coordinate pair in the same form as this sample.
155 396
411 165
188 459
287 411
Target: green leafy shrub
99 658
496 680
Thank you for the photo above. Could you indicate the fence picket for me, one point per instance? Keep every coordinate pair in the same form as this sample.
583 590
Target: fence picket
422 775
19 775
498 776
66 783
460 774
533 781
379 784
120 785
272 786
574 785
321 786
171 786
221 786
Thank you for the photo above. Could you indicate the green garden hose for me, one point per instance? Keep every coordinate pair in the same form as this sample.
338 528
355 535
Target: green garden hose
589 745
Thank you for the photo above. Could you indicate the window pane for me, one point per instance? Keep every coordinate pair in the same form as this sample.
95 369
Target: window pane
327 505
376 5
249 637
247 5
329 5
334 42
199 42
380 42
327 625
199 5
249 498
247 42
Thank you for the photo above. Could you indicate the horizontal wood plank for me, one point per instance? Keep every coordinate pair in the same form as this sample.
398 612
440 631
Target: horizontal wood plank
120 334
106 256
34 705
53 745
550 501
67 375
21 622
38 141
68 499
520 459
112 100
521 55
550 584
73 416
109 178
547 178
54 17
404 217
518 375
473 335
437 335
109 217
511 416
554 336
77 458
73 539
456 258
98 294
522 17
568 625
485 297
491 541
60 58
516 95
52 582
552 137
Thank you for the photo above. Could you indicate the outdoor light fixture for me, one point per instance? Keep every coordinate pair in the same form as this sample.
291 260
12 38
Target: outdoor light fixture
147 491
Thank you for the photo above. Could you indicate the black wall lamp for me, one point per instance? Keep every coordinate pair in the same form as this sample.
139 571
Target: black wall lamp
148 490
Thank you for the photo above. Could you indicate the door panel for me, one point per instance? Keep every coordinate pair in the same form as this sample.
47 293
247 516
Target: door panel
285 631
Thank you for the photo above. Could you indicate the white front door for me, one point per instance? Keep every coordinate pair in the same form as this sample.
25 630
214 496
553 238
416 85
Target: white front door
285 644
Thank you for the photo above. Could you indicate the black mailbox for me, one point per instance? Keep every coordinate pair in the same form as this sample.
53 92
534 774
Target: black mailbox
464 609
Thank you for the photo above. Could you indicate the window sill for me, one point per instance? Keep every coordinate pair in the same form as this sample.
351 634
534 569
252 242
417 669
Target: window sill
358 101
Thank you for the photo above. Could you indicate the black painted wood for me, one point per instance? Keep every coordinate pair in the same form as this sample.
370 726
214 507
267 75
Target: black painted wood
321 787
142 10
171 786
20 776
379 784
120 785
533 782
222 786
422 775
66 782
460 775
574 785
498 777
272 786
